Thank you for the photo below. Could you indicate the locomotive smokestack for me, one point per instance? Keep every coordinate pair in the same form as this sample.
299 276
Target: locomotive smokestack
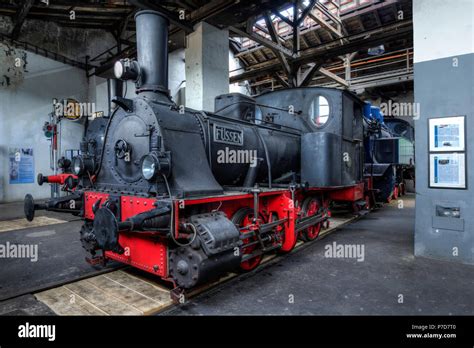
151 71
152 50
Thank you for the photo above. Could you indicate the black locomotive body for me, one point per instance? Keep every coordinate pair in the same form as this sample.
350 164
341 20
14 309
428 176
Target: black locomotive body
188 195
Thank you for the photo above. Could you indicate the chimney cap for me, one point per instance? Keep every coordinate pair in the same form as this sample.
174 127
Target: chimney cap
153 12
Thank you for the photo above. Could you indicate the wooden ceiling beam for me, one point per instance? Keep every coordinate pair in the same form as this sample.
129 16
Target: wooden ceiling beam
20 18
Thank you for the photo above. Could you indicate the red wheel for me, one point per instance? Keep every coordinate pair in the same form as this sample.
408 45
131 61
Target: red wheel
310 207
244 217
395 192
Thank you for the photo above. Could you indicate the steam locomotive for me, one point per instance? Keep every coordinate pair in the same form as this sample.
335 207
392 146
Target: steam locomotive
189 195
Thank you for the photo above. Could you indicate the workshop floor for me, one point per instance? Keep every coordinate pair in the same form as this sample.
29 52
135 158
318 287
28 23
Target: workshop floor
389 281
60 256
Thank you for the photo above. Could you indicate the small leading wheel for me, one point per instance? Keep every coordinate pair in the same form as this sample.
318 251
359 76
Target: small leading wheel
244 217
310 207
395 192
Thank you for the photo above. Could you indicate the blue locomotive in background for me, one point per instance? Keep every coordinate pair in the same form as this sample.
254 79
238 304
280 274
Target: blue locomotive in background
389 153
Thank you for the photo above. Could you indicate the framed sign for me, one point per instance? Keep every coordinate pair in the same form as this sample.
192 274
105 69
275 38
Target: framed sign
447 134
21 165
448 170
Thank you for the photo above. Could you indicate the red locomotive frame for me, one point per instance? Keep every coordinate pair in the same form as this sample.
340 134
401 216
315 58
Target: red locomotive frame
149 252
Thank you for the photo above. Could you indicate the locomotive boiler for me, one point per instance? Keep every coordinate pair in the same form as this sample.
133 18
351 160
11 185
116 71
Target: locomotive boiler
188 195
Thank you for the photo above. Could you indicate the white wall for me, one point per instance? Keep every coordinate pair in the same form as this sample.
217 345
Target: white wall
177 76
433 26
235 68
24 108
98 90
207 66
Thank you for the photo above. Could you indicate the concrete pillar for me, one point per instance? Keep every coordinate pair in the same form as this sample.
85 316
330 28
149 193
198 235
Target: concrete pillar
207 66
444 78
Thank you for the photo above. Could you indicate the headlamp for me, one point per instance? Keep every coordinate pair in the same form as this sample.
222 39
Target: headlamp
77 165
155 164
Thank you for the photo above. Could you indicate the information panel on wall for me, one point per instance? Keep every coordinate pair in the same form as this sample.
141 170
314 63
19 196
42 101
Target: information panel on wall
21 165
448 170
447 134
447 156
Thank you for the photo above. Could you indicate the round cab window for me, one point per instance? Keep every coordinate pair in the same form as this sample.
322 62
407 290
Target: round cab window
319 111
